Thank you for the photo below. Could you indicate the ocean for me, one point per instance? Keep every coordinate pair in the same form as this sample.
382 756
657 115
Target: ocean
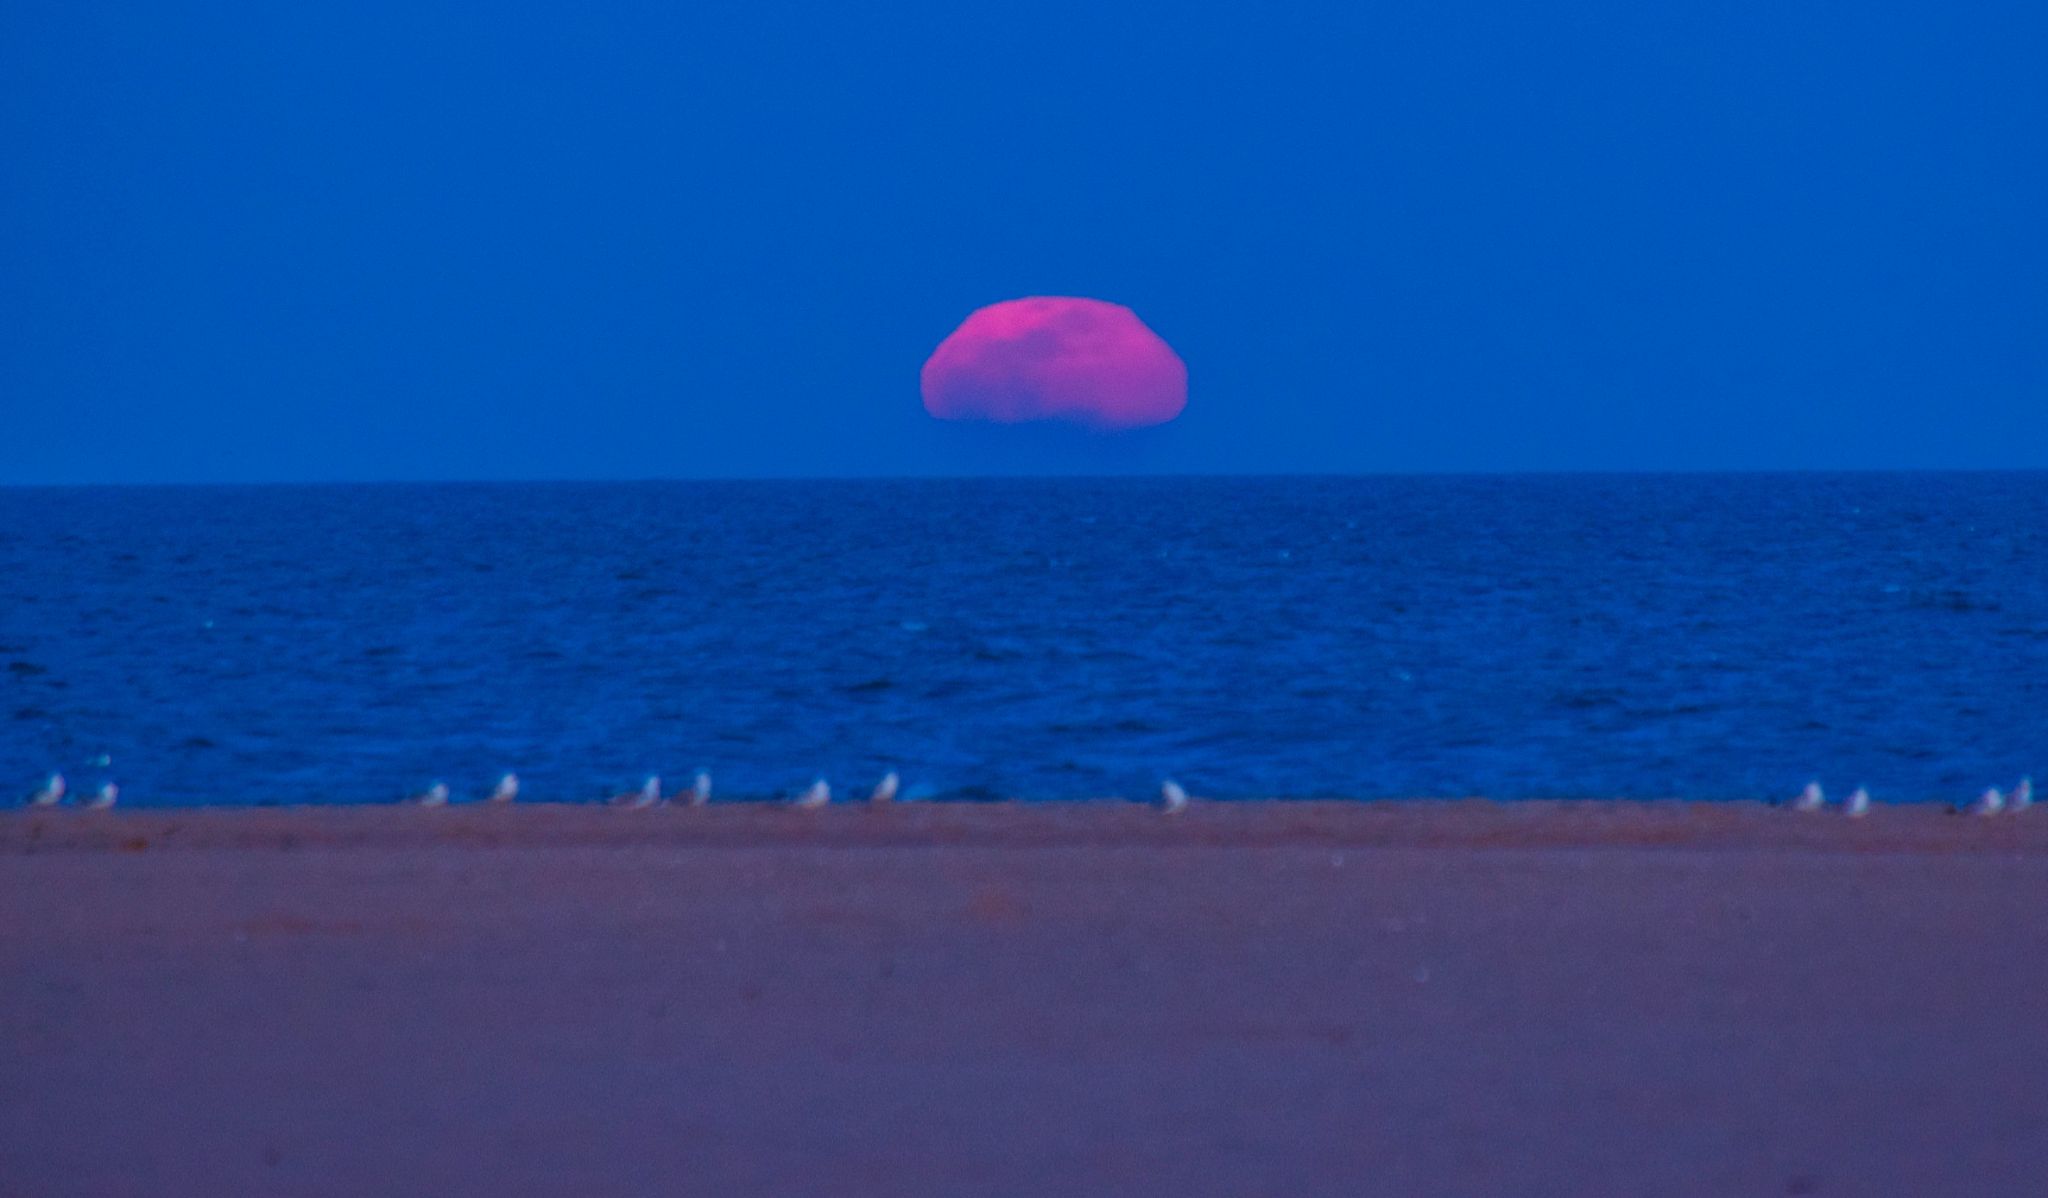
1696 636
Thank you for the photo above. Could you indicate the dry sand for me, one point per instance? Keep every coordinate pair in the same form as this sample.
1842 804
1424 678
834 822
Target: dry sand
1284 998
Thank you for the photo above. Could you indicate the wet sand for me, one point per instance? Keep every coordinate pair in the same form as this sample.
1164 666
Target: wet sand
1283 998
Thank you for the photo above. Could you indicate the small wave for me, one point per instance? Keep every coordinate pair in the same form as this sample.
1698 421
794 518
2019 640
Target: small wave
1950 600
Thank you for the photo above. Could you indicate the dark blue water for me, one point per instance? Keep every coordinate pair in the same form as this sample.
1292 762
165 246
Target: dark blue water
1657 635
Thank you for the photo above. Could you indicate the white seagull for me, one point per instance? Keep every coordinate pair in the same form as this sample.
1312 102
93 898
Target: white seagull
885 790
1989 803
1857 805
434 796
507 789
2022 796
647 796
51 793
1810 799
700 789
1172 797
818 795
104 797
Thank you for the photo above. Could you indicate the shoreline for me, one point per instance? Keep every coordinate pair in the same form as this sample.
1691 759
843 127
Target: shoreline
1393 823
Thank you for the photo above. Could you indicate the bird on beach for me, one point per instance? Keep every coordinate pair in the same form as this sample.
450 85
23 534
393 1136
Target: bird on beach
817 795
1857 805
1172 798
1810 799
104 797
885 790
647 796
1991 802
700 789
52 792
2022 796
434 796
507 789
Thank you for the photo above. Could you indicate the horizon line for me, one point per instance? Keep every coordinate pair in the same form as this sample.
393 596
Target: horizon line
634 480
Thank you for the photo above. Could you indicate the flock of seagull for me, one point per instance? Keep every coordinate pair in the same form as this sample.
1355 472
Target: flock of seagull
1991 802
54 790
817 794
1173 799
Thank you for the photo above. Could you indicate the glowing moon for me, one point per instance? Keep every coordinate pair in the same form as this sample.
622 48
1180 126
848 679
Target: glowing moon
1055 358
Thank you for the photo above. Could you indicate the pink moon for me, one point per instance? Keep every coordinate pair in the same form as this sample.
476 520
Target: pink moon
1082 361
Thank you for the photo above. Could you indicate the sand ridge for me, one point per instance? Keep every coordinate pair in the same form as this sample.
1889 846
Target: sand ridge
1414 823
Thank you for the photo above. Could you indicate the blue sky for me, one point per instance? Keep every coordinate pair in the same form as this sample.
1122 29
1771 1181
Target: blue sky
378 240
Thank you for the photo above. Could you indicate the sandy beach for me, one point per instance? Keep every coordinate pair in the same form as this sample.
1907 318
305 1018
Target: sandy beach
1279 998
